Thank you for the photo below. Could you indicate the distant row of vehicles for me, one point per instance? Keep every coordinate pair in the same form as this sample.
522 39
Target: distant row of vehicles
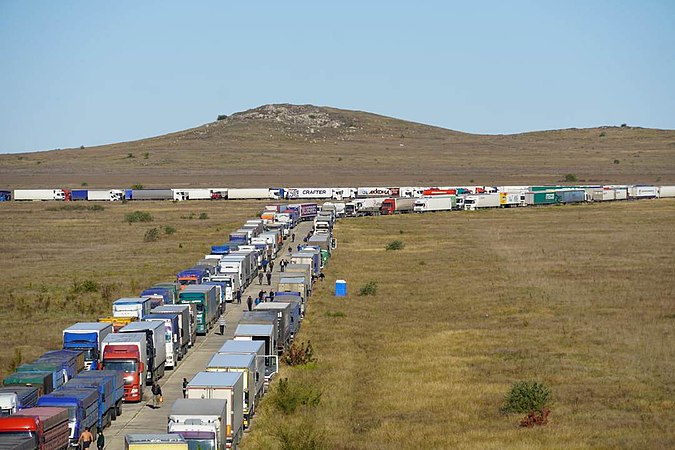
340 194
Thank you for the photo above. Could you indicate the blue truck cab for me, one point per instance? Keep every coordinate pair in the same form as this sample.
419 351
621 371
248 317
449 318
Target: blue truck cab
82 406
87 337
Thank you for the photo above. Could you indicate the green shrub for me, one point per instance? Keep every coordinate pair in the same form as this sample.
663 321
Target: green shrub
299 437
395 245
84 286
526 396
203 216
288 396
570 177
151 235
138 216
146 155
130 156
138 187
169 230
335 314
616 161
370 288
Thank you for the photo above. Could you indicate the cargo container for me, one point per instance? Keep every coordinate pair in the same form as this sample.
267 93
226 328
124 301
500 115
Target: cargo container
138 307
82 406
435 203
511 199
155 442
87 337
151 194
156 346
192 194
79 194
206 305
666 191
283 312
295 193
44 381
201 422
267 364
187 330
227 386
15 398
171 337
127 352
541 198
256 332
571 196
640 192
47 427
295 284
373 192
474 202
254 380
395 205
253 194
39 194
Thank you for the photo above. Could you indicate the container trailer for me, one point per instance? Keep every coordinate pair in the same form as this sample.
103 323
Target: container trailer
47 427
296 311
396 205
151 194
155 442
474 202
201 422
435 203
227 386
187 330
294 283
39 194
283 312
137 307
206 305
257 332
172 336
254 381
252 194
82 406
87 337
111 383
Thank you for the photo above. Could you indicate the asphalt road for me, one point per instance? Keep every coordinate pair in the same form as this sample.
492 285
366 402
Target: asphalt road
141 418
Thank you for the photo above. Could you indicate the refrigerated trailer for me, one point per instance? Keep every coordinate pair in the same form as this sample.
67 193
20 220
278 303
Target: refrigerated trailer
39 194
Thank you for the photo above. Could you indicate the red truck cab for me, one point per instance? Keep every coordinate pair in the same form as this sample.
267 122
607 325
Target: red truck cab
388 207
127 359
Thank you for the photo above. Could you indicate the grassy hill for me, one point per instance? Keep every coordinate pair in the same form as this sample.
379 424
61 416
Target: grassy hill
309 145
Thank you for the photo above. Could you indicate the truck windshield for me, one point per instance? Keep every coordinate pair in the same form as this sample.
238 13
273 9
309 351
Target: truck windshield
123 365
72 413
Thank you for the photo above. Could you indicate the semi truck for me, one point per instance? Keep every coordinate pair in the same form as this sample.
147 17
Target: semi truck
193 275
172 336
474 202
127 352
154 442
396 206
39 194
82 406
227 386
111 384
206 305
15 398
151 194
138 307
283 313
264 364
254 380
87 337
188 332
296 311
368 206
266 335
295 283
47 427
201 422
250 194
155 334
435 203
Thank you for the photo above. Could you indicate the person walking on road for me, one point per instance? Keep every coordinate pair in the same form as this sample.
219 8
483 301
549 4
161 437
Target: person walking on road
221 324
269 278
185 383
264 264
249 302
260 277
239 297
100 441
293 237
86 438
271 266
156 395
271 296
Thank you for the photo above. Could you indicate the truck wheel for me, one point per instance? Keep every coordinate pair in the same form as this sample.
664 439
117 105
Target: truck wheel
118 410
113 413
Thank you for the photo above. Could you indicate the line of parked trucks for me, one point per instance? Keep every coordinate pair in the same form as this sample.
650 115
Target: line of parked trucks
48 403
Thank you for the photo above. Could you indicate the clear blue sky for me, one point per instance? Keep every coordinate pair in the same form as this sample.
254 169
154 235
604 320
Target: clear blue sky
85 73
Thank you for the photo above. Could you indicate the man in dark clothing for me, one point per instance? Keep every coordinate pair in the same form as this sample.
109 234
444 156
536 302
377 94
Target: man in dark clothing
264 264
282 265
100 441
271 296
261 294
249 302
271 266
269 278
293 237
156 395
239 297
185 383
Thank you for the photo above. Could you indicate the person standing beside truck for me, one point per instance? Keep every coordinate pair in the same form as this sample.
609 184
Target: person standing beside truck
238 296
260 277
271 266
269 278
292 237
86 438
156 395
100 440
185 384
249 302
221 324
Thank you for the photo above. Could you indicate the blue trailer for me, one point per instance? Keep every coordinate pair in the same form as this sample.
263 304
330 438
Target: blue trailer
109 384
220 249
87 337
82 406
79 194
154 293
16 398
5 196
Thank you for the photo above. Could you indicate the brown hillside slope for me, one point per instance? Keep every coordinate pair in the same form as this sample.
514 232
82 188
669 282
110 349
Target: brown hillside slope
270 146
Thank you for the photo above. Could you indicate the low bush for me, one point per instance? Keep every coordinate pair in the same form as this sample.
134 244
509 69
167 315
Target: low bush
395 245
84 286
570 177
370 288
299 354
289 395
525 397
335 314
169 230
203 216
300 437
151 235
138 216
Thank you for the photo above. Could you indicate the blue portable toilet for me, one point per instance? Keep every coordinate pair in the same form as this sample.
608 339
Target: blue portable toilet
340 288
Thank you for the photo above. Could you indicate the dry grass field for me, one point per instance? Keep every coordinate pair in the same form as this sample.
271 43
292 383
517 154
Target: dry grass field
577 297
290 145
52 256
